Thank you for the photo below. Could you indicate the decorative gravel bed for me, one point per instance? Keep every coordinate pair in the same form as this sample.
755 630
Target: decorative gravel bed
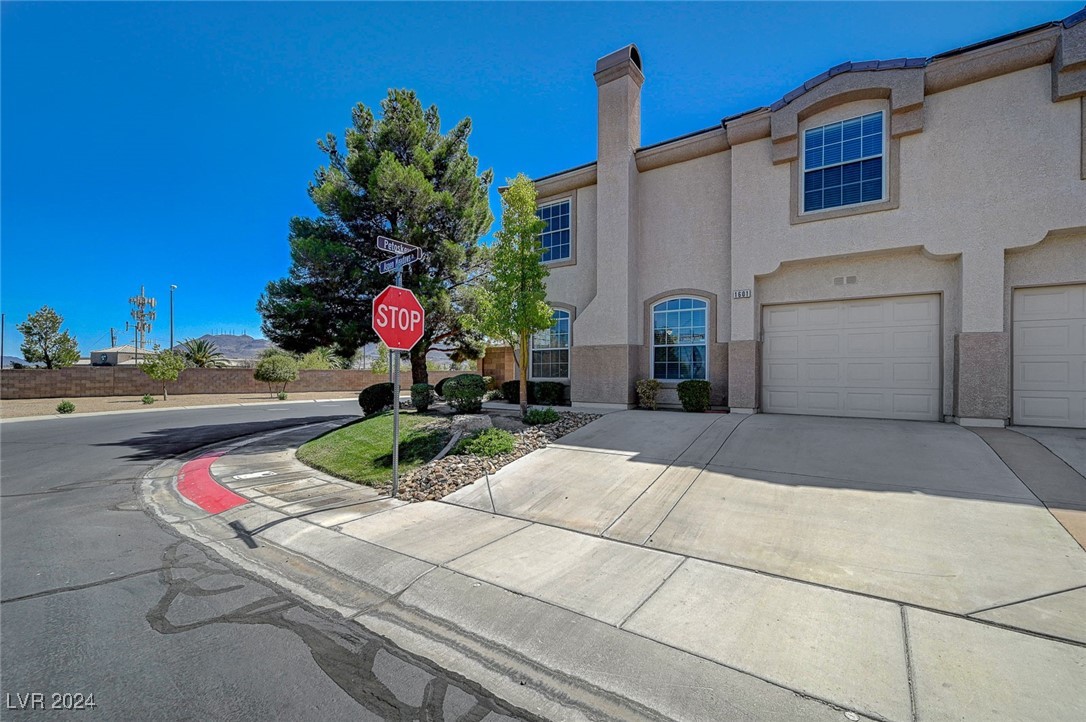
442 477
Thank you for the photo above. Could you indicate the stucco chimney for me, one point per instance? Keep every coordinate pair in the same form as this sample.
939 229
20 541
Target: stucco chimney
608 332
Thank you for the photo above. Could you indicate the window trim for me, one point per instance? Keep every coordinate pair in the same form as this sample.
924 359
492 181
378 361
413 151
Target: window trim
883 154
570 196
891 170
555 308
710 322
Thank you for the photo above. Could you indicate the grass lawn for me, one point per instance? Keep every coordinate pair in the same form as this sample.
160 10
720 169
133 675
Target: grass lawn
362 452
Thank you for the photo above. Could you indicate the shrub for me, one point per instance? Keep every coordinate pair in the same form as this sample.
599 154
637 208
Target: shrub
148 399
277 369
422 395
546 393
694 395
465 393
491 384
493 395
647 389
535 417
65 407
439 389
489 442
375 398
511 391
282 395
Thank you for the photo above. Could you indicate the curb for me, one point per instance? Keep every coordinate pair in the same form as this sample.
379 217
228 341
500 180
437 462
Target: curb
88 414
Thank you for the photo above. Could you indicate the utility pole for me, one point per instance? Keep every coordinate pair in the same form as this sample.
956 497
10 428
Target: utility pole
172 289
3 328
112 337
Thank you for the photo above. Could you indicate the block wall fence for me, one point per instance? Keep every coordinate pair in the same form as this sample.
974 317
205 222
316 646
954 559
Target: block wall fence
80 381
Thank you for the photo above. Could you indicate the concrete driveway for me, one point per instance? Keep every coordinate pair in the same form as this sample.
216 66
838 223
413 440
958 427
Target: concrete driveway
921 513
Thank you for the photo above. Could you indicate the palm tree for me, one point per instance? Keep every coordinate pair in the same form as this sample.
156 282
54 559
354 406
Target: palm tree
202 353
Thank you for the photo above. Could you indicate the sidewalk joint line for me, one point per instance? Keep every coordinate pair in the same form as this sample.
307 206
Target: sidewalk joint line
909 672
651 594
1024 601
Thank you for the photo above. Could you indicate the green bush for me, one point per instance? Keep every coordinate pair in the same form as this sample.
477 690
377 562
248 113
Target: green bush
282 395
491 384
375 398
148 399
535 417
422 395
489 442
65 407
510 391
647 389
276 369
465 393
439 389
694 395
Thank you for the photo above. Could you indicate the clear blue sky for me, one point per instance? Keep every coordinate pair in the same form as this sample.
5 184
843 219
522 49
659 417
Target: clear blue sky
171 143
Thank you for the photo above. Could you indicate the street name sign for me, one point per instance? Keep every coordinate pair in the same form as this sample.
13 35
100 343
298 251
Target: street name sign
394 264
398 318
396 248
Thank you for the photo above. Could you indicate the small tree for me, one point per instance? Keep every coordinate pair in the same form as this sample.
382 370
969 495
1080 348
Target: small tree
45 342
164 366
380 363
201 353
513 303
276 370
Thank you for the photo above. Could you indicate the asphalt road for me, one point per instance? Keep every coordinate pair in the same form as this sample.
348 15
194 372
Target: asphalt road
98 598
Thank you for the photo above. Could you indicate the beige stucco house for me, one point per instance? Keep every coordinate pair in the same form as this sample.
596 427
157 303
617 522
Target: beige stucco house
897 239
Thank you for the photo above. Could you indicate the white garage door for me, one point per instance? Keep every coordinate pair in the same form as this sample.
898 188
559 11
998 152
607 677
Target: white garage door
875 358
1050 356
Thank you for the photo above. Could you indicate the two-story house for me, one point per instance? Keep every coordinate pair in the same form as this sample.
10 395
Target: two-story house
900 239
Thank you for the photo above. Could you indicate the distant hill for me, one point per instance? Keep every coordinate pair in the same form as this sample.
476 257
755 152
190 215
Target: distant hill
237 345
9 360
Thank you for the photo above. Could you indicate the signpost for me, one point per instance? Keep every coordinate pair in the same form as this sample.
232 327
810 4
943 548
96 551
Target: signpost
398 320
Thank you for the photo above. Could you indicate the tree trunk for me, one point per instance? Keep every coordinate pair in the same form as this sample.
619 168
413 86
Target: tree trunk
164 397
524 366
419 373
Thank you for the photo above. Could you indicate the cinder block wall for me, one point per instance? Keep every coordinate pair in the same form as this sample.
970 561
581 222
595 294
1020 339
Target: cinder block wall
80 381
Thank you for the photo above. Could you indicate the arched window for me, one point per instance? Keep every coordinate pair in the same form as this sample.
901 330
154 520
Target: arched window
679 328
550 349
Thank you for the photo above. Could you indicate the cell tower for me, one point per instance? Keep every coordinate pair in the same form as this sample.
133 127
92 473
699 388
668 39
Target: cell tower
143 313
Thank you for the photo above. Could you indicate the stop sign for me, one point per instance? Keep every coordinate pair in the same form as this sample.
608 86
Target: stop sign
398 318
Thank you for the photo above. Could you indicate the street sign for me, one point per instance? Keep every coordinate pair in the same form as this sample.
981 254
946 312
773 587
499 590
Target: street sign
394 264
396 248
398 318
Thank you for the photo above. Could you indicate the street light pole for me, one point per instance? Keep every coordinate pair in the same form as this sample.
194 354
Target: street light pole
172 289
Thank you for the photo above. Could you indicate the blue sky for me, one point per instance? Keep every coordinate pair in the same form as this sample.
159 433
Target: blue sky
170 143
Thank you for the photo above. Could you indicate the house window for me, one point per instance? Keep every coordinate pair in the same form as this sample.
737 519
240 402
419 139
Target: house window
555 238
678 339
843 163
550 349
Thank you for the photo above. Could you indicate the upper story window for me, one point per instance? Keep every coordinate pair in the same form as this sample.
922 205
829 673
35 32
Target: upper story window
678 339
843 163
550 349
555 238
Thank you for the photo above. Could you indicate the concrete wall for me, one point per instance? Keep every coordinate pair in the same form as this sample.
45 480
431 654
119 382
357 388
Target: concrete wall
80 381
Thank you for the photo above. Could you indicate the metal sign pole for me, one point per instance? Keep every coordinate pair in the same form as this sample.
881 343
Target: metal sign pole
396 410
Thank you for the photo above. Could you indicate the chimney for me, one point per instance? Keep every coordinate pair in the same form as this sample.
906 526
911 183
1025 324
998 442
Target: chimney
611 322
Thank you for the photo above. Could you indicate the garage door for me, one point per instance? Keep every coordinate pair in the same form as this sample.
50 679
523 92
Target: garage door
874 358
1050 356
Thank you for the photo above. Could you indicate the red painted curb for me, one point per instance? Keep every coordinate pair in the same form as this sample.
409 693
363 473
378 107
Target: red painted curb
196 484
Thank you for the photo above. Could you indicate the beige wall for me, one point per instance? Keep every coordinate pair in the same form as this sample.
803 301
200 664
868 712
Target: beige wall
995 167
575 285
684 223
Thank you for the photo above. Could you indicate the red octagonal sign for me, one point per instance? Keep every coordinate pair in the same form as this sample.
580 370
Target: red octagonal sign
398 318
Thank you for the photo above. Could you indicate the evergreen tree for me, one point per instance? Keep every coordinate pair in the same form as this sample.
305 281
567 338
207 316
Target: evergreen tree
44 341
397 176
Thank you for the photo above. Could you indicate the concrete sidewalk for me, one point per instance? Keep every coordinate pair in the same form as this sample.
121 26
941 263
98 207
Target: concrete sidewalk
615 616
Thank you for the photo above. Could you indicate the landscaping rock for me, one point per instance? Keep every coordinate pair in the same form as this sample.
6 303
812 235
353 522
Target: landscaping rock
442 477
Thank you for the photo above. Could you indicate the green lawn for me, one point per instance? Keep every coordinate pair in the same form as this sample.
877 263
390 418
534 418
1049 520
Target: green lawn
362 452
